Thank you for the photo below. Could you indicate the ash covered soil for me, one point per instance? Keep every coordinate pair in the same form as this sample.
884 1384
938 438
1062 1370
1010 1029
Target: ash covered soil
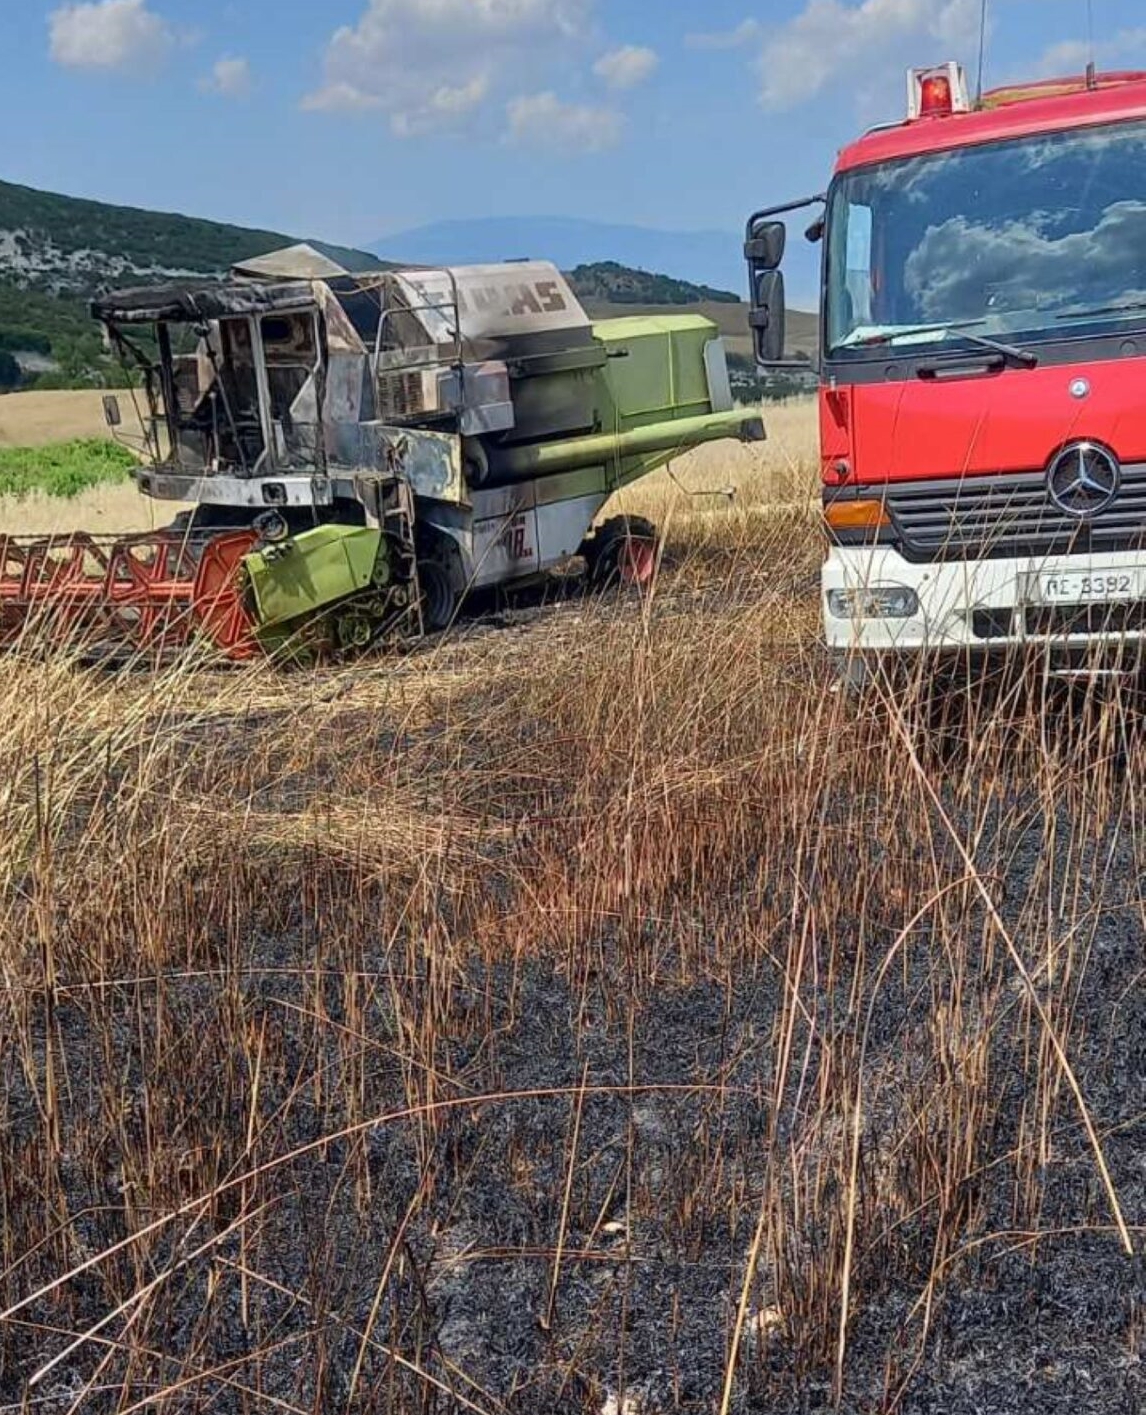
500 1093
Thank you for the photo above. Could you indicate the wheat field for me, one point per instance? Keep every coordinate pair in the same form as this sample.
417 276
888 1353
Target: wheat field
32 419
588 1011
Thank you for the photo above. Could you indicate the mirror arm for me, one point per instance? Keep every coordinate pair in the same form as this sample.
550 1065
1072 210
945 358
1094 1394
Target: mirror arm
782 210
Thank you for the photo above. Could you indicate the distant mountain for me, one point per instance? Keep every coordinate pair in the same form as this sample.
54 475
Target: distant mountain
712 258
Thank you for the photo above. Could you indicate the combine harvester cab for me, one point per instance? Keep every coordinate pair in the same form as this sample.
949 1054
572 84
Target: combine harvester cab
362 451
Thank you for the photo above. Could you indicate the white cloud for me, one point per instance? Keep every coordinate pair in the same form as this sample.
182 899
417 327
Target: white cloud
626 67
443 107
829 39
230 78
543 120
108 34
340 97
746 32
1071 56
429 64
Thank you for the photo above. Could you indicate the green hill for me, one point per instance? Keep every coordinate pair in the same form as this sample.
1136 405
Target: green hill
615 284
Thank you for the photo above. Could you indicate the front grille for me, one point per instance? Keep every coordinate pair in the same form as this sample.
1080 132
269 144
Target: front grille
1061 620
994 517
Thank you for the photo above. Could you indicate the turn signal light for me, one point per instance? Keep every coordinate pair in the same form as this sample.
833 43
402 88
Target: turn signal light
856 515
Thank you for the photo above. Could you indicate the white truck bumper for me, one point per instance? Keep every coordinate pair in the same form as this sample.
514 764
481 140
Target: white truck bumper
876 602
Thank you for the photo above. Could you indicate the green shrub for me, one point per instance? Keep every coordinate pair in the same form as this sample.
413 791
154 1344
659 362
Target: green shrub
63 468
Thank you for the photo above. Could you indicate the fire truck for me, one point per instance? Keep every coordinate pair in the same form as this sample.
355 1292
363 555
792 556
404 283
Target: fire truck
982 373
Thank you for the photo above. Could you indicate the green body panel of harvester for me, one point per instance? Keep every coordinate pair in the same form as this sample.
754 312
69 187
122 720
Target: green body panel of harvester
289 583
653 400
661 375
659 385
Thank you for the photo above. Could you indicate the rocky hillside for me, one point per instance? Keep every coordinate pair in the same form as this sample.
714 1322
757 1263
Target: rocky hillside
56 251
62 245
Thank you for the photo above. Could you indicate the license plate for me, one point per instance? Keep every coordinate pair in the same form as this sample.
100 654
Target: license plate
1092 587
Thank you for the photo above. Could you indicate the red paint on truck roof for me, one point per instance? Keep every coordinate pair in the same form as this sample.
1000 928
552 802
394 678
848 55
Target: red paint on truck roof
1021 110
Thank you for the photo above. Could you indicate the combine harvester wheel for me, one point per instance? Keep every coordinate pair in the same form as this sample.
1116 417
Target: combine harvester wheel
623 551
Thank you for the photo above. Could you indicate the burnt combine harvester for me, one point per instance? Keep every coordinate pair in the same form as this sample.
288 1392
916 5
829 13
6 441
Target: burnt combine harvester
361 452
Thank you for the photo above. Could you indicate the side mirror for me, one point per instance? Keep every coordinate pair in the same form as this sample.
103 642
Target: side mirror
764 248
768 317
111 413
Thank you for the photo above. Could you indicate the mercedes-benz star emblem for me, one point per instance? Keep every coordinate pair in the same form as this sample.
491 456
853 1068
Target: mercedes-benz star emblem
1084 479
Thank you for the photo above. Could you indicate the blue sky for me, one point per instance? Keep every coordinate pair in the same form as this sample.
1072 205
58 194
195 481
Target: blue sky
350 119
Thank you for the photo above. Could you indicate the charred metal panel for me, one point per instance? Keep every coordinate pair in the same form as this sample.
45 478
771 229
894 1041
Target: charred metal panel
554 405
430 462
249 492
505 548
346 378
481 395
563 525
341 335
297 262
187 304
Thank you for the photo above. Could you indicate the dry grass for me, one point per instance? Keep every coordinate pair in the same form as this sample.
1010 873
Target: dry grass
591 1007
105 510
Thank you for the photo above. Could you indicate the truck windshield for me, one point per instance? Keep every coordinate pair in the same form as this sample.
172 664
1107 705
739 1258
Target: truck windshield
1041 236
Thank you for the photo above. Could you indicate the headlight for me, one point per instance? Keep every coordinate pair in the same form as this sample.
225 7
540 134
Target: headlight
874 602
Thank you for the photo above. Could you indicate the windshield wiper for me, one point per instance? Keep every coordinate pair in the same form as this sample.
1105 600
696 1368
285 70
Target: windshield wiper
1025 358
889 336
1130 307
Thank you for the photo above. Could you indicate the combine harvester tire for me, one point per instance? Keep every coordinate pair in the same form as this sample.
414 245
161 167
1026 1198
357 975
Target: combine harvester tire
624 551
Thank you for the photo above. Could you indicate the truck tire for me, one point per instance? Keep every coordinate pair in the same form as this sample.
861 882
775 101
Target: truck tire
622 552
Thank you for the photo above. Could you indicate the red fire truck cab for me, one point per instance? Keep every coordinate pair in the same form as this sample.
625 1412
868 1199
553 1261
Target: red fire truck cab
983 370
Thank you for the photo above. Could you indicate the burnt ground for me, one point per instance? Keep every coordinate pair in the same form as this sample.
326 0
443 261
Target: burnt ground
654 1081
